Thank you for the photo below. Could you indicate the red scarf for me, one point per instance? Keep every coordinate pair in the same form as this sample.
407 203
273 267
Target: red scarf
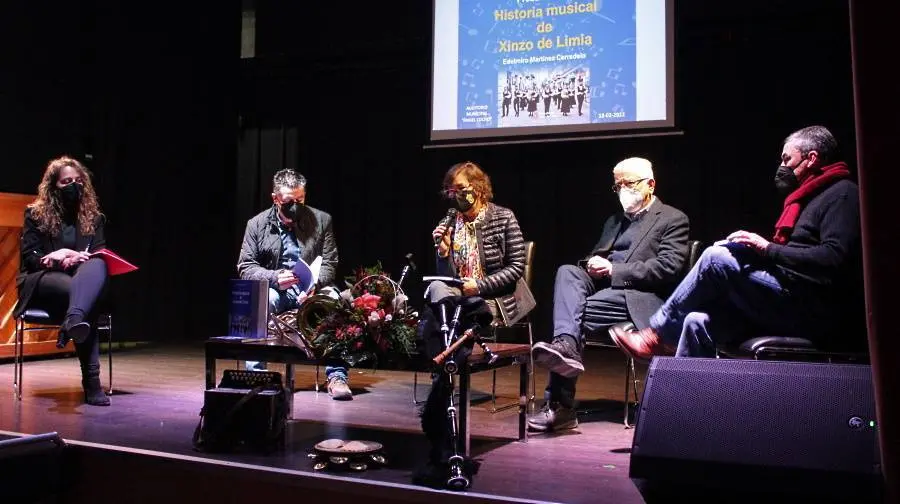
811 186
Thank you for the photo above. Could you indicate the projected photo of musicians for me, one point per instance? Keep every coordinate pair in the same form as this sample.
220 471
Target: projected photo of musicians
538 96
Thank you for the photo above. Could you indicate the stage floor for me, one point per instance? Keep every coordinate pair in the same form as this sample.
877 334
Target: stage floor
159 394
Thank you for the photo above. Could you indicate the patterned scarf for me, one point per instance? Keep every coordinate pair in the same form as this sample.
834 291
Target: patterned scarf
466 254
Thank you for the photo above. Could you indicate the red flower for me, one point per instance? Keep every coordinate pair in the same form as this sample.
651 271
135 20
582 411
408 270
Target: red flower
367 302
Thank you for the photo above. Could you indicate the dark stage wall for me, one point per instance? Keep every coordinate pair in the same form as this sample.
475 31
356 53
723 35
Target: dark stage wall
185 136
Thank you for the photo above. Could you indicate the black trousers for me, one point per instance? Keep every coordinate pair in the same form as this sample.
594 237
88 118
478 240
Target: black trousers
74 294
580 303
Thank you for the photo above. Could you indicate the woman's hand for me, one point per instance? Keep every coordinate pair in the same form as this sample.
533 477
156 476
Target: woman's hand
75 259
57 256
443 232
469 287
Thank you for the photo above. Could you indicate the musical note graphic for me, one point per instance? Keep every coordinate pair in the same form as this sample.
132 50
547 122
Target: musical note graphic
613 73
618 108
476 64
467 79
471 98
620 90
471 31
478 11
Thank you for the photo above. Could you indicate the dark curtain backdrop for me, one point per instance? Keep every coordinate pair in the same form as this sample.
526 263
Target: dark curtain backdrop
351 113
148 91
185 136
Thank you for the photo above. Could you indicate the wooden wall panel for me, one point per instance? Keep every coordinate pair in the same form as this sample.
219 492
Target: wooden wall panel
43 342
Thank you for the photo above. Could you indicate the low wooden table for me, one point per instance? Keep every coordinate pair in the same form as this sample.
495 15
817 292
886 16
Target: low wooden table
276 350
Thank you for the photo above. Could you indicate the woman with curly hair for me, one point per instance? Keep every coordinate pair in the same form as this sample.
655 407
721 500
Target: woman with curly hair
62 226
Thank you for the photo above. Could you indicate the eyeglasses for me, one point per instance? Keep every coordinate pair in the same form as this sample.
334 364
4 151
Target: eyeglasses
453 191
630 184
68 180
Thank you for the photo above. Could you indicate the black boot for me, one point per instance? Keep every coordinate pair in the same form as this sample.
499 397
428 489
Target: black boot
74 328
93 392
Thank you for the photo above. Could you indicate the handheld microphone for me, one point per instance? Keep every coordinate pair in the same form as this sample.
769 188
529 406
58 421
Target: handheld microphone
451 215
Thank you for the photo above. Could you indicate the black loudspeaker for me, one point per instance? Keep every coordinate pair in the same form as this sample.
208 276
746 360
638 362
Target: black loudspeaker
766 426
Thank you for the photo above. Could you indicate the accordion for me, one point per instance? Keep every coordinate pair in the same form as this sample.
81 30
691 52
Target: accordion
246 412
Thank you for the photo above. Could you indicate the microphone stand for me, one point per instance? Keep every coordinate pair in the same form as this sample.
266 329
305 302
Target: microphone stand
410 265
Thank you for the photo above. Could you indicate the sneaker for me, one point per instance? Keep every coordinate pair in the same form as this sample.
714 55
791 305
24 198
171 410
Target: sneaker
553 417
339 390
560 357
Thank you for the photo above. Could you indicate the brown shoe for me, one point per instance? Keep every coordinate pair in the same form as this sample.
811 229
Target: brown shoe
640 345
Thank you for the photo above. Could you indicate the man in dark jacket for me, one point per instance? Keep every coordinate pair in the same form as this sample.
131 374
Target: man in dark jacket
638 260
802 283
278 237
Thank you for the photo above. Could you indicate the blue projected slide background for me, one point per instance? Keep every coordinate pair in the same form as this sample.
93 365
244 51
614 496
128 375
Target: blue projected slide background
546 63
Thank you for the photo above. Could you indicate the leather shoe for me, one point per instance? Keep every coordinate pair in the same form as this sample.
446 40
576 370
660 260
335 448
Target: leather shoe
640 345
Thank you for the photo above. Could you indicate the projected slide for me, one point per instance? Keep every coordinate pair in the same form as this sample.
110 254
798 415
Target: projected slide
515 67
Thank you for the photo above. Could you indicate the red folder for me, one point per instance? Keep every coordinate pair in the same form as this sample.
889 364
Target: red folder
114 264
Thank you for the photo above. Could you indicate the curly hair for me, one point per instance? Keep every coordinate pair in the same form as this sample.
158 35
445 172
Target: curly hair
480 180
47 208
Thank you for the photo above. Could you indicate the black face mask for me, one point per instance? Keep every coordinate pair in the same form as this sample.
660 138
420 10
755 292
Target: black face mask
71 195
785 180
465 200
292 210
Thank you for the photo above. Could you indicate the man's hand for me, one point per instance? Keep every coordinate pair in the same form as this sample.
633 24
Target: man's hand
752 240
57 256
74 259
286 279
469 287
598 267
443 247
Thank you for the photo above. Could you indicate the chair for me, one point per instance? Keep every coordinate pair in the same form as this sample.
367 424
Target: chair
602 340
38 319
525 324
499 329
788 348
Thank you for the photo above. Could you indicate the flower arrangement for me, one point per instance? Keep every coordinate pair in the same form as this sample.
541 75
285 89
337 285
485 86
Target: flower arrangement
371 320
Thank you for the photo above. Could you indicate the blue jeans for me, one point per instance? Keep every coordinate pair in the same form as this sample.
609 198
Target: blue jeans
282 301
733 294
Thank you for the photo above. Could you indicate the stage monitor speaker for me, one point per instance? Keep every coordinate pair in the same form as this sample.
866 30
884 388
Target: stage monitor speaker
758 425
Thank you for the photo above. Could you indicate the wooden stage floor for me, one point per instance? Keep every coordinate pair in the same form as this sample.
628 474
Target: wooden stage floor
159 394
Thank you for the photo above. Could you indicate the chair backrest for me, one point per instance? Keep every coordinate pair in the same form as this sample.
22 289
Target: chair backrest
529 261
694 251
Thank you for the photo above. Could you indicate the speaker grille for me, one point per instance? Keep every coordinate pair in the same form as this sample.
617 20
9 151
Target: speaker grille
764 413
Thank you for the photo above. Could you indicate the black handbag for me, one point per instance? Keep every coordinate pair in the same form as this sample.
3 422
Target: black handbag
247 411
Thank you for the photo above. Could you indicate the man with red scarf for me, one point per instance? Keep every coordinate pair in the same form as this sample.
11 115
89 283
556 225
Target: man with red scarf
793 285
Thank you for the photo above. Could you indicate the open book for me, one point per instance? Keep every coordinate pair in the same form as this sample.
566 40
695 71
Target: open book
451 281
114 264
307 274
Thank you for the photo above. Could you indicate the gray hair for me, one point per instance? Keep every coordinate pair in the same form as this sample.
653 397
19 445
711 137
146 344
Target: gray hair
288 178
814 138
